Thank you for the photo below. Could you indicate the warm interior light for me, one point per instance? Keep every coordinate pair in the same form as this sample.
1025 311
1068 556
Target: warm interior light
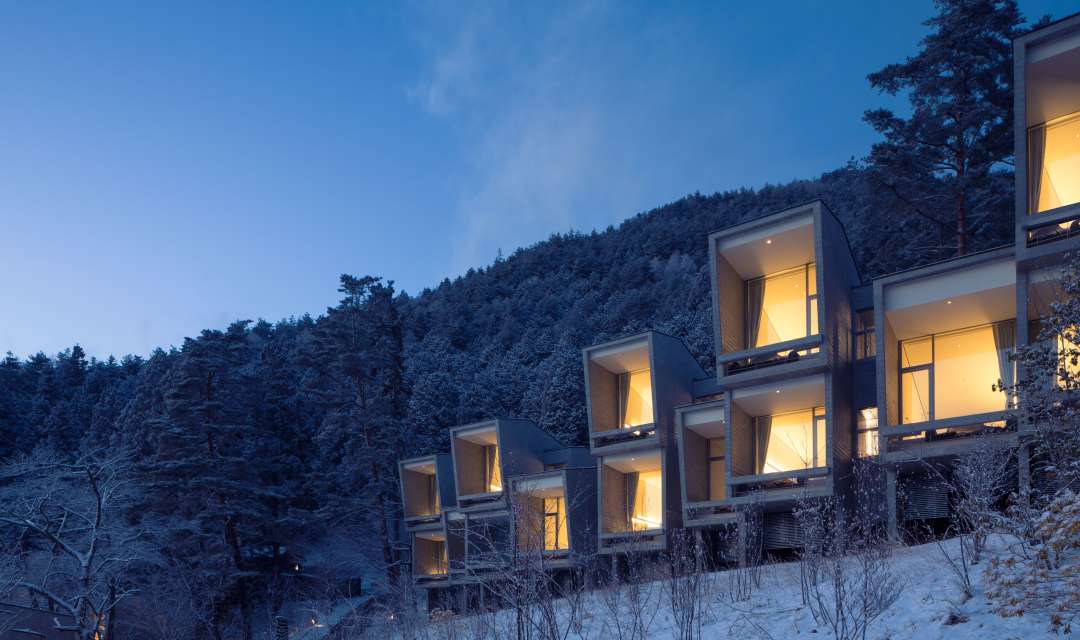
794 440
948 302
645 496
1060 164
635 398
768 242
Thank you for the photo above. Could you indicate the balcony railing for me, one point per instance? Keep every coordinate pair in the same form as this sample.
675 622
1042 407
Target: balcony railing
1054 225
769 355
623 435
947 430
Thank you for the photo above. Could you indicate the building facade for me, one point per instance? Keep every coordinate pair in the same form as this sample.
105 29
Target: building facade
815 369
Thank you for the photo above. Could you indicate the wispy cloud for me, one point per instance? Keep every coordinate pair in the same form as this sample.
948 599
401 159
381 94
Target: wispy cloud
533 105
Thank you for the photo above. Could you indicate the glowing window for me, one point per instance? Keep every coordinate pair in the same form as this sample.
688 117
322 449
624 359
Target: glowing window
782 306
492 472
956 373
555 537
635 399
644 494
791 441
1054 164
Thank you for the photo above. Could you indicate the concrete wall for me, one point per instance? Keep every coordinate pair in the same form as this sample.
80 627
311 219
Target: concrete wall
602 398
731 294
581 511
740 451
469 463
696 466
612 500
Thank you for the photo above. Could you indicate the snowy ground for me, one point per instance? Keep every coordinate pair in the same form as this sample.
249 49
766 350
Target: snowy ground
774 611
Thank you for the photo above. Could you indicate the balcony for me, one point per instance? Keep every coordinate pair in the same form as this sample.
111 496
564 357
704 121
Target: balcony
430 560
477 464
949 331
702 452
621 400
779 438
1048 134
769 277
420 490
632 500
541 515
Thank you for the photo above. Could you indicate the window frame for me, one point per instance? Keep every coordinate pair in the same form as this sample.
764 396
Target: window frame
621 405
811 302
930 409
815 418
864 335
559 523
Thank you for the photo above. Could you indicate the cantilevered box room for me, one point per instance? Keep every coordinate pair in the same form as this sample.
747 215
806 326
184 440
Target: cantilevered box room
426 485
780 437
485 454
632 385
478 464
430 560
769 285
946 333
1048 133
540 514
632 500
702 454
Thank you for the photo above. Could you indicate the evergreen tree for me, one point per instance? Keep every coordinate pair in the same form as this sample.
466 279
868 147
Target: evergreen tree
959 85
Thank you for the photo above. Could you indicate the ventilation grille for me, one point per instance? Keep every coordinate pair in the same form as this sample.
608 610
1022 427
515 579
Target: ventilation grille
781 531
925 498
1044 484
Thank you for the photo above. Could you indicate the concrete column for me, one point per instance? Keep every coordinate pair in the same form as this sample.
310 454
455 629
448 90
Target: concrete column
890 504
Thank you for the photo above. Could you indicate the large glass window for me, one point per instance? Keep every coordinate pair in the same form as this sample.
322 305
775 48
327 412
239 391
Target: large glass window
1054 164
956 373
782 306
555 537
644 496
791 441
717 488
492 470
635 399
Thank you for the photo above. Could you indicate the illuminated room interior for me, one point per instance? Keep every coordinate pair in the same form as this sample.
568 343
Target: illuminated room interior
633 487
704 452
1054 157
543 522
478 465
953 334
782 425
622 386
429 553
767 282
421 489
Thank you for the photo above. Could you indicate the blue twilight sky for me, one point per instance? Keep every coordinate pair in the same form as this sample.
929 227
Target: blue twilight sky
168 167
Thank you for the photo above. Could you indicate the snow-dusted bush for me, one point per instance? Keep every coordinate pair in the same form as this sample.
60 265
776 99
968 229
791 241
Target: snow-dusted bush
1040 573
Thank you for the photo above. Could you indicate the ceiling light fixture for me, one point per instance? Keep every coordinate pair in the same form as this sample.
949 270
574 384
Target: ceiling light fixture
948 302
768 242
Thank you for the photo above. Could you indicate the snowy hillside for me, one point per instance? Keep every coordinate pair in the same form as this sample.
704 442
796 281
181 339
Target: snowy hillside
930 606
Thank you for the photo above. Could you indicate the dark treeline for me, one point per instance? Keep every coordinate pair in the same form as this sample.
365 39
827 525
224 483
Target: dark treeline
255 440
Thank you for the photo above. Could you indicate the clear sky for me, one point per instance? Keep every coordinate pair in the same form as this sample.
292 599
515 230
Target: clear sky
169 167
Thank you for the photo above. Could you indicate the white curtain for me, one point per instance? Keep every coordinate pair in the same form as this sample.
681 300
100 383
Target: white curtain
1036 153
